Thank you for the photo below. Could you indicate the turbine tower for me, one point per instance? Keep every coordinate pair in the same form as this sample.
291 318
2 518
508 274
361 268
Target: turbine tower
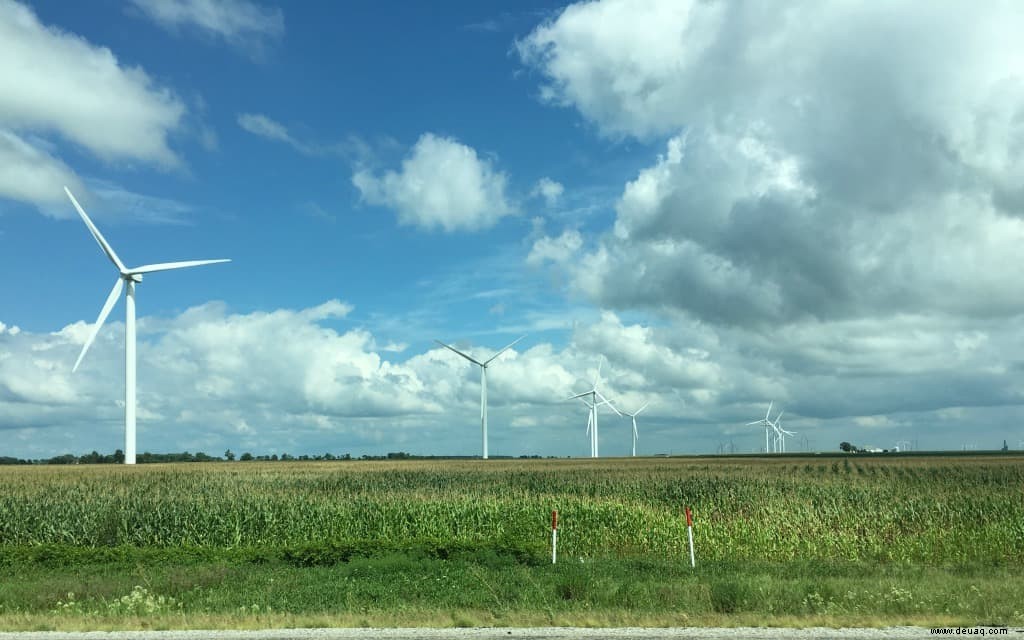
592 411
633 416
593 404
483 383
126 279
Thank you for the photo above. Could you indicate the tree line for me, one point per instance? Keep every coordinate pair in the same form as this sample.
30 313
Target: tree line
143 458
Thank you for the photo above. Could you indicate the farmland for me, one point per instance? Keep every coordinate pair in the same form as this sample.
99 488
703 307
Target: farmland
791 540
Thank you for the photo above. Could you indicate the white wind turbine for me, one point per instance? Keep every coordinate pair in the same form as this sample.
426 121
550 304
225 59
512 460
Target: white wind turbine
780 434
593 404
131 277
483 383
633 416
767 424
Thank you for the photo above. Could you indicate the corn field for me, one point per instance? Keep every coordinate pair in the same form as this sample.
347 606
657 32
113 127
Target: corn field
921 510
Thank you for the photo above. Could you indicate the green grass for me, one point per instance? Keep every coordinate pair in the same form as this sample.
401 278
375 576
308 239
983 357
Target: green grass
473 589
868 541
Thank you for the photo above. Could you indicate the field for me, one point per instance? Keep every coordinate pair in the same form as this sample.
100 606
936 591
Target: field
788 540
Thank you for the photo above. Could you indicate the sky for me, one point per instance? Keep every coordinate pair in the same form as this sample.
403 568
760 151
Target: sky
815 204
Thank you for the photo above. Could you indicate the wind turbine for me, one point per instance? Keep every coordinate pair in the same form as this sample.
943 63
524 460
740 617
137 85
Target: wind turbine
483 383
766 423
781 434
633 416
593 405
131 277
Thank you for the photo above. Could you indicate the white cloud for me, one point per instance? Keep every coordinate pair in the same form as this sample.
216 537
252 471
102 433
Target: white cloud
286 381
558 250
12 330
30 174
238 22
548 189
261 125
862 167
442 184
54 81
837 199
625 64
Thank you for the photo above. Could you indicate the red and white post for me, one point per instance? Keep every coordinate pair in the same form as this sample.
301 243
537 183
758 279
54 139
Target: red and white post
689 533
554 536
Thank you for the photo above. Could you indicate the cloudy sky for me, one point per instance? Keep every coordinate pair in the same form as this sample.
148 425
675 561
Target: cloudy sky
816 204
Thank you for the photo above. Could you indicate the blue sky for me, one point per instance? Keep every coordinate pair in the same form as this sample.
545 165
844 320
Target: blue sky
730 207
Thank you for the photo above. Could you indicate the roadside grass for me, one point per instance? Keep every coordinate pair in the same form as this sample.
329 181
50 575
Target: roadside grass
396 589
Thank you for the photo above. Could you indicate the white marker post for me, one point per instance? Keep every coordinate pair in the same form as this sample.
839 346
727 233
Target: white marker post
554 536
689 533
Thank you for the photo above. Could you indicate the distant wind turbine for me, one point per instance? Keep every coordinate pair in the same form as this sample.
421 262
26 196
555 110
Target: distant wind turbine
780 437
633 416
767 424
131 277
483 383
593 404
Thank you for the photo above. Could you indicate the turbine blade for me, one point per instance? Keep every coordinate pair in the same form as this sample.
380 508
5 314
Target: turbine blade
104 312
770 403
107 249
448 346
167 266
755 422
597 378
512 344
580 395
608 402
636 436
642 408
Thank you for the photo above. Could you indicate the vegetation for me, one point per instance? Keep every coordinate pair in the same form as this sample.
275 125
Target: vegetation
870 539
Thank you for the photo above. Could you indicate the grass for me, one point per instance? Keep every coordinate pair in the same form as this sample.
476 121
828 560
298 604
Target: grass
398 590
792 542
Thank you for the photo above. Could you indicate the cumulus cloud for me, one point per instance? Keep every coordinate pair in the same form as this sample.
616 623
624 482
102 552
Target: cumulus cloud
859 167
287 380
54 81
239 22
836 198
442 184
549 190
558 250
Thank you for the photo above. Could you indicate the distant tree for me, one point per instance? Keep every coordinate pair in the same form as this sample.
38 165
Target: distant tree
119 457
229 456
274 457
246 457
847 447
91 458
